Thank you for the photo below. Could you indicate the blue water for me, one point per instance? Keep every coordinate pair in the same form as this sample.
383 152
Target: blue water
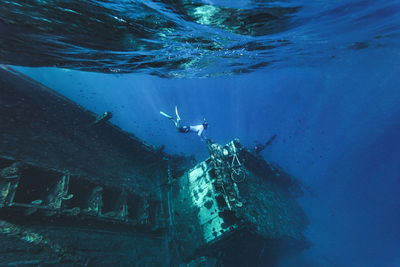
329 89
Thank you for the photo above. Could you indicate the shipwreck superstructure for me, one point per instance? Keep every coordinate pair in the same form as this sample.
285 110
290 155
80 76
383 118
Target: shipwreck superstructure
77 192
235 207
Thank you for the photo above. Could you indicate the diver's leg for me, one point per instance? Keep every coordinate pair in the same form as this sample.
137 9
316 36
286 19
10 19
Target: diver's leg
176 122
171 118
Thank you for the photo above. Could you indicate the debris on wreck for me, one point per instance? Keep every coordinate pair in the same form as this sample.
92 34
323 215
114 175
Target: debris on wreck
106 116
258 148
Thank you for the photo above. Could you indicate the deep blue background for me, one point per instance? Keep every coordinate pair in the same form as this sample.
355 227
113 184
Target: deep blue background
337 126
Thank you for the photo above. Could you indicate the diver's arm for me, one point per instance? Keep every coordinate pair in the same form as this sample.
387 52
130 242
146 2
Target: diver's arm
202 134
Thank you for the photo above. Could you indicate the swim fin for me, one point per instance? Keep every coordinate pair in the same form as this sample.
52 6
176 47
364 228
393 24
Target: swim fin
166 115
177 115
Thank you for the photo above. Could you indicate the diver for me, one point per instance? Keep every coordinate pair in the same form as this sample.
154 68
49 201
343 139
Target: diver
199 129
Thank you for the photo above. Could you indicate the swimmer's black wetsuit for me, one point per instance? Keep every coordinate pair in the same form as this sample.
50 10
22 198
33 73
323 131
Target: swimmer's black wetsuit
184 129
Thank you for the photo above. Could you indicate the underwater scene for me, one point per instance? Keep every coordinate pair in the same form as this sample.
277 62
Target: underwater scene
200 133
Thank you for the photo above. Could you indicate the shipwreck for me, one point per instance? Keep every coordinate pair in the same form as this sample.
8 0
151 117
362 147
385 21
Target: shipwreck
74 191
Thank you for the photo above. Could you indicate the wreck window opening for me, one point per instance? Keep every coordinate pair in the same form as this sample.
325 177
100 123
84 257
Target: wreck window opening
228 217
221 202
110 200
81 191
154 207
35 184
134 204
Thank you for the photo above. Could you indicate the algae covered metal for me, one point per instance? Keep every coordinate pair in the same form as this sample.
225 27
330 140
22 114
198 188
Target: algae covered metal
223 209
